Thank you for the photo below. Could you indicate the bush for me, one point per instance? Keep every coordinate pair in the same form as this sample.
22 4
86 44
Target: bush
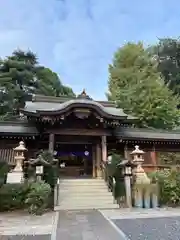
169 186
4 168
12 196
38 197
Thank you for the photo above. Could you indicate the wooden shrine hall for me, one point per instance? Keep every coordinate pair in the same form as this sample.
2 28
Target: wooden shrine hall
81 133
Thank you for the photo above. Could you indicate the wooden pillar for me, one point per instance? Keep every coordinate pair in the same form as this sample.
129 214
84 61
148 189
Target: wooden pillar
153 156
126 156
51 142
94 161
98 161
104 148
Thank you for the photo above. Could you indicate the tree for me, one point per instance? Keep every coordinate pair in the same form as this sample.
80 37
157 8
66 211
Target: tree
137 87
21 75
167 53
49 84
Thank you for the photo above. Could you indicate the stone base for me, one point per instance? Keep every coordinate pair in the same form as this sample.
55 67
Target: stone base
15 177
99 173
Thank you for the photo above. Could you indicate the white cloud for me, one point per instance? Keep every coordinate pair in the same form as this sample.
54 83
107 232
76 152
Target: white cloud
78 38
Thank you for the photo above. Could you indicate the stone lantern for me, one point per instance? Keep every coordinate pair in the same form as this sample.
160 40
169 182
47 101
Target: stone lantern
126 168
137 155
138 159
16 175
142 183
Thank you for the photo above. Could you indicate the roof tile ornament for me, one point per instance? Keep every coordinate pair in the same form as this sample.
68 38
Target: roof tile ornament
83 95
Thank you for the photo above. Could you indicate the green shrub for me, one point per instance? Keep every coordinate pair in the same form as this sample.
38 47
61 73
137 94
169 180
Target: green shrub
12 196
38 197
4 168
169 186
50 175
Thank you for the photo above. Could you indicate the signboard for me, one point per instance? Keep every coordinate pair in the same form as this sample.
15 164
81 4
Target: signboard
39 169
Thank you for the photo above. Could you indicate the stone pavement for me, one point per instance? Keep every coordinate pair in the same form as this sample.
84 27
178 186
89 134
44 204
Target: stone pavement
119 224
163 228
14 226
125 213
160 224
27 237
85 225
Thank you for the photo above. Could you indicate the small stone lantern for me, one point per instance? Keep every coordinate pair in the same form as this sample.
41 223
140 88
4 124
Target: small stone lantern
19 156
137 155
16 176
138 159
126 168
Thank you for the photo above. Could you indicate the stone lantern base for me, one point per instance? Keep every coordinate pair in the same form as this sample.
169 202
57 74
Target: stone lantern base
15 177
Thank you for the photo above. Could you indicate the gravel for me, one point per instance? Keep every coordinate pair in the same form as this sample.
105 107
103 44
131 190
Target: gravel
162 228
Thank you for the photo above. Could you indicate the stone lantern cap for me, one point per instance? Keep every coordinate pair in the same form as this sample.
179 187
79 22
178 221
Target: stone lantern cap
21 147
137 151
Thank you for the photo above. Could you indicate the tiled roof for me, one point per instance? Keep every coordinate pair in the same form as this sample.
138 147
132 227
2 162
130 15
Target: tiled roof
17 128
42 104
145 133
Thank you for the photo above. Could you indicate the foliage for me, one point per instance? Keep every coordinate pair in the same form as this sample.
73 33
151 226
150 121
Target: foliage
169 158
116 158
167 53
47 156
50 171
114 171
49 84
3 172
137 87
33 196
20 76
12 196
38 197
169 186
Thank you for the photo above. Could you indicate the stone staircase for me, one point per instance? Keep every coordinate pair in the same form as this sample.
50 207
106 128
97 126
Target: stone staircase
84 194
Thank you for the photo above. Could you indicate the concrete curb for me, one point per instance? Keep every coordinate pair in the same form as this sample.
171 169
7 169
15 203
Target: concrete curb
54 228
121 233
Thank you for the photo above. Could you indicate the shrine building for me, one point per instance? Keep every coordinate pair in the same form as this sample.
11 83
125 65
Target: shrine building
81 132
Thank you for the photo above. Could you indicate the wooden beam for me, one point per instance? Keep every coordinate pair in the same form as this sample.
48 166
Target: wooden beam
80 132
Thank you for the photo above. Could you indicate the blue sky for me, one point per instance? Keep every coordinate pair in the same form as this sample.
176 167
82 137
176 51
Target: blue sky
77 38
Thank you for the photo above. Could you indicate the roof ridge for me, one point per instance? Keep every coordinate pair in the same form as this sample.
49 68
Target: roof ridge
62 99
153 129
43 98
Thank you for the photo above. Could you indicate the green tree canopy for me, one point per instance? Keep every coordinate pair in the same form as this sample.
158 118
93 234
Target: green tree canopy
21 75
137 87
167 53
48 83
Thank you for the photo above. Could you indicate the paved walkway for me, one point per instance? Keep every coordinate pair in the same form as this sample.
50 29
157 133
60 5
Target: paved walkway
117 224
143 224
140 213
20 225
85 225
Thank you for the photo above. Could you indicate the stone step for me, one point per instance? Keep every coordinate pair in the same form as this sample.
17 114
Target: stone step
82 185
83 189
81 180
86 199
86 207
85 194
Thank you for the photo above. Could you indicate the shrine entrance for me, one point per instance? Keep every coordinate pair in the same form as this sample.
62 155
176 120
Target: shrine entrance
75 160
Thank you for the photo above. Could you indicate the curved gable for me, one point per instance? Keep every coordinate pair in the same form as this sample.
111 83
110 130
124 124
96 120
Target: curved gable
86 104
51 106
